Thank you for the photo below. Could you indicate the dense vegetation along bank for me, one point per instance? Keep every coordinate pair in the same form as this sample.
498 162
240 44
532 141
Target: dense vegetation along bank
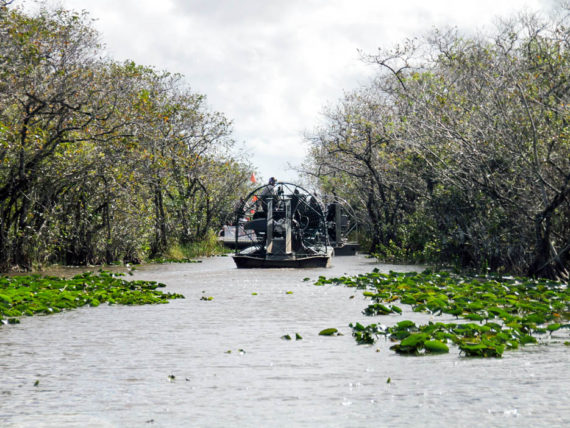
102 161
458 150
493 314
34 294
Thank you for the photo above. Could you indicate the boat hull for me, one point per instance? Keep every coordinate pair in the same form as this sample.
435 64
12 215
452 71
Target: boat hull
240 243
348 249
251 262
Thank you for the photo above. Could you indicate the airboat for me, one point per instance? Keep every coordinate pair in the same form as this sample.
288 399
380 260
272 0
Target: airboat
286 226
341 224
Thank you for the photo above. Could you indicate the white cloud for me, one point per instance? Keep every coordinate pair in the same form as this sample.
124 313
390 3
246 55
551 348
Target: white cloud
271 66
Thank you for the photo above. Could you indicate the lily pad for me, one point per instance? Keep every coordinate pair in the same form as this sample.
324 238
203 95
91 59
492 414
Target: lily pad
435 347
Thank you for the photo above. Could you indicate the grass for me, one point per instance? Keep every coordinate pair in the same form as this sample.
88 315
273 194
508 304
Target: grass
178 253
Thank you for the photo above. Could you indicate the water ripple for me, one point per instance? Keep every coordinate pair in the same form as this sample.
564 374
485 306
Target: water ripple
219 362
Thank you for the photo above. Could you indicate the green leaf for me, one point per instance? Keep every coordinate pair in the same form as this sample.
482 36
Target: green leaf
435 346
553 327
414 340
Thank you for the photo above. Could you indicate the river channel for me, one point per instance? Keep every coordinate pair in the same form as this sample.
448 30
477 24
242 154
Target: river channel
223 362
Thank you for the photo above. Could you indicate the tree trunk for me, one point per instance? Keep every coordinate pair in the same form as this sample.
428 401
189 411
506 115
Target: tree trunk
547 263
160 243
372 208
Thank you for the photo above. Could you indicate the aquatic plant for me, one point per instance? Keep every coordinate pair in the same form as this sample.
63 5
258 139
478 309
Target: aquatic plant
288 337
35 294
368 334
493 314
329 332
164 260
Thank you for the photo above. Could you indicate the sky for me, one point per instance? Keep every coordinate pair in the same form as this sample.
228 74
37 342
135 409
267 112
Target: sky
272 66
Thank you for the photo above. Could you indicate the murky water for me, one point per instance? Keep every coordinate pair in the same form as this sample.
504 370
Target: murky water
222 362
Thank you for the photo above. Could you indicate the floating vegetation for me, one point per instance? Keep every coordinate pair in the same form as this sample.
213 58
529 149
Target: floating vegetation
288 337
493 314
163 260
366 335
35 294
329 332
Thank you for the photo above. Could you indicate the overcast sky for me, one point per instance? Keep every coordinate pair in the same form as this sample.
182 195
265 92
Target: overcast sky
272 65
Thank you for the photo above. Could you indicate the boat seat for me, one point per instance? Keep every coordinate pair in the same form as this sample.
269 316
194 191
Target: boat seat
258 225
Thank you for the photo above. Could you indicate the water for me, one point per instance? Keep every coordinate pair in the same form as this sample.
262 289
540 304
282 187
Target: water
223 363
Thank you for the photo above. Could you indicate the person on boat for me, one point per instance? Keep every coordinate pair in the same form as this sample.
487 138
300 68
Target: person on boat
268 191
270 188
316 212
331 220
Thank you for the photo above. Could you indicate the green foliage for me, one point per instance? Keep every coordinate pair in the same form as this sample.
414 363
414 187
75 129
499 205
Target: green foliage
329 332
379 309
462 157
30 295
288 337
510 312
101 161
366 334
435 347
411 344
186 253
208 246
